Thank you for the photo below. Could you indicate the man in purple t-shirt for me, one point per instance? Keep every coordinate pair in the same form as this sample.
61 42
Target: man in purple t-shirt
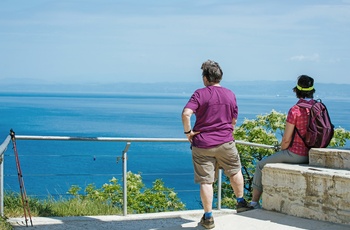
212 140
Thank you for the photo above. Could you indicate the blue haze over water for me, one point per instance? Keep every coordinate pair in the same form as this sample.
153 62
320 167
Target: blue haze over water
51 167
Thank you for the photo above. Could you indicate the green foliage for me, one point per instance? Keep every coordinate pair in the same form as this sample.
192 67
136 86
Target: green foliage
50 207
4 225
107 200
13 205
265 129
340 137
82 207
155 199
261 130
139 200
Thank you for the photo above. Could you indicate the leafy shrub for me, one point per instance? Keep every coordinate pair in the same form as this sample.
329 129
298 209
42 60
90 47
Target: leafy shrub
139 200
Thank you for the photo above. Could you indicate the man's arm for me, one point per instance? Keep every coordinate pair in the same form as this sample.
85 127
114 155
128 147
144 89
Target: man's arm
234 122
186 119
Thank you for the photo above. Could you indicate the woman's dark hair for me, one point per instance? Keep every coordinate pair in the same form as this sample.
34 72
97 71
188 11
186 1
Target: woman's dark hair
212 71
304 87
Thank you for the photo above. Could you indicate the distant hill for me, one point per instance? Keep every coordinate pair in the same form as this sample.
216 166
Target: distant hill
273 88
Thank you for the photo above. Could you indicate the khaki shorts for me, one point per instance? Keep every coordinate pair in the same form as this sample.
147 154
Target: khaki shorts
207 162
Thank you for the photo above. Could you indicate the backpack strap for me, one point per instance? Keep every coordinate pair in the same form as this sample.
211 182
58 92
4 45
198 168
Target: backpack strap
293 135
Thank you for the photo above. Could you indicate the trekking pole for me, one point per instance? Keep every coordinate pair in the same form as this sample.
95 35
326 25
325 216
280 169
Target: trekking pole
25 204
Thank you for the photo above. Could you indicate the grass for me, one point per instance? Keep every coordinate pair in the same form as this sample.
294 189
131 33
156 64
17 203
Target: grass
4 225
106 200
51 207
62 207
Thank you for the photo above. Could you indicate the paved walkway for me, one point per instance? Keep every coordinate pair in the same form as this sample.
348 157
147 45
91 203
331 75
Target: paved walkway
224 220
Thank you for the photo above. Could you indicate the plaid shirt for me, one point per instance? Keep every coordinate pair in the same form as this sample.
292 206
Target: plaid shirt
299 117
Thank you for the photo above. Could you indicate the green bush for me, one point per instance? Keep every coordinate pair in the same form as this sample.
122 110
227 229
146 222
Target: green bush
106 200
4 225
139 200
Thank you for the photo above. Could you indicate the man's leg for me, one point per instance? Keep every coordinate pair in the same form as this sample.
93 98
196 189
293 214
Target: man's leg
229 160
237 183
206 193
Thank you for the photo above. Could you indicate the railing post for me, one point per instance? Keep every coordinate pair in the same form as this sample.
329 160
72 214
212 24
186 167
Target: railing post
2 184
125 188
3 148
219 188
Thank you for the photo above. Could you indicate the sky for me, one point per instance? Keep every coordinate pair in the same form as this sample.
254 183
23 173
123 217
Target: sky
112 41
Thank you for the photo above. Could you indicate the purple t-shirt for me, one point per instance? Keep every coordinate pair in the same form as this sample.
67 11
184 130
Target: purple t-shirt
214 107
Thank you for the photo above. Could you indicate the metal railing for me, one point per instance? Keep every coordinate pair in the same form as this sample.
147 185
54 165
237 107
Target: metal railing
128 142
3 148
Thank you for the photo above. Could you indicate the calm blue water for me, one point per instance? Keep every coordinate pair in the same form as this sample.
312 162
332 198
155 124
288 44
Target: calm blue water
51 167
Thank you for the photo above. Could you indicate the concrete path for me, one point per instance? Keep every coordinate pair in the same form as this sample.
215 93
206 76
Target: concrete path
224 220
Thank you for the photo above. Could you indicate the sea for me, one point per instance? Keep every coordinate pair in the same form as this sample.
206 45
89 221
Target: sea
49 168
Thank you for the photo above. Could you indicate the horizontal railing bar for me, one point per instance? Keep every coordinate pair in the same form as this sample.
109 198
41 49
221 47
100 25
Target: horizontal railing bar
111 139
100 174
81 155
63 174
255 144
125 139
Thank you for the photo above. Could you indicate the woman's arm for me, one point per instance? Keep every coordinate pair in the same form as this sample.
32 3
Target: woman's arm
287 136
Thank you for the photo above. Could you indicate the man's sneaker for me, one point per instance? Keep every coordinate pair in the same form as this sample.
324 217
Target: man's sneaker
243 206
208 223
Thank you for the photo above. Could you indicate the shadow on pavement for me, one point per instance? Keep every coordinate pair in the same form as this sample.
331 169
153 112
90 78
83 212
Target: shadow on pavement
297 222
106 222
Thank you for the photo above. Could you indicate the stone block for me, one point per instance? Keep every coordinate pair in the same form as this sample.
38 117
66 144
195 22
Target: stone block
308 192
330 158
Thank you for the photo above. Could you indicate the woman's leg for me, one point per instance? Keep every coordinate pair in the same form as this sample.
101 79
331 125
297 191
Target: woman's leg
283 156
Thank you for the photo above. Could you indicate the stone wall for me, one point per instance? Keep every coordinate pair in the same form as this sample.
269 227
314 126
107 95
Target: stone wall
330 158
313 192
